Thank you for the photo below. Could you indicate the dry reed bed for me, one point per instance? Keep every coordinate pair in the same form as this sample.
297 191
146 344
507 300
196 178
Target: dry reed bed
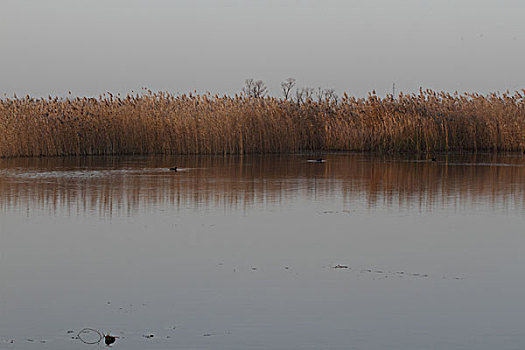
161 123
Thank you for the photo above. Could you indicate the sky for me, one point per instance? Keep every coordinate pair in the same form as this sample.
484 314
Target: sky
91 47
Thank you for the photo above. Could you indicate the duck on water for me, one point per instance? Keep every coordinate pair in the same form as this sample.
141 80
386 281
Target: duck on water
318 160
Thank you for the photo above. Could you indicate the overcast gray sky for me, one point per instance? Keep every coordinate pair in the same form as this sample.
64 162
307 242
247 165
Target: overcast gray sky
94 46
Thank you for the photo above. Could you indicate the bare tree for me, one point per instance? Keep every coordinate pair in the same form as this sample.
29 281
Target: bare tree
320 94
255 89
287 86
260 89
299 96
304 94
330 94
308 93
248 86
326 94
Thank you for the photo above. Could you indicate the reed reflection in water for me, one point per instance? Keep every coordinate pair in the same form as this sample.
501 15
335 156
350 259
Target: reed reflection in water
128 185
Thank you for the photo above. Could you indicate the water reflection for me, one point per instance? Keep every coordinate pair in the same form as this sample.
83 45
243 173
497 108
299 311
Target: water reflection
127 185
361 251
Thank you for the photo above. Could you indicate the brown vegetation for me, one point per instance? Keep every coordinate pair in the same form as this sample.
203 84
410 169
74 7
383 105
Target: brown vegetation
161 123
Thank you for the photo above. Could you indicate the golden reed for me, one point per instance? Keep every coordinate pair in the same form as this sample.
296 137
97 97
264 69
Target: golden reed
162 123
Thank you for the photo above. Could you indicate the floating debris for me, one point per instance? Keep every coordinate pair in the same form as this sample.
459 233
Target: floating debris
340 267
329 212
397 273
85 333
109 339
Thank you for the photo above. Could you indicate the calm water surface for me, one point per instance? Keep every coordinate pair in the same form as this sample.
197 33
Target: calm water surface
239 253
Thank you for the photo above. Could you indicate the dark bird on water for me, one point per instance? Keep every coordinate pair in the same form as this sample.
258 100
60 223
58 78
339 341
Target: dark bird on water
434 159
174 168
109 339
320 160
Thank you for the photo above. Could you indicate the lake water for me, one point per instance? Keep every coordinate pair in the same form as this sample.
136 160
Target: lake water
251 252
